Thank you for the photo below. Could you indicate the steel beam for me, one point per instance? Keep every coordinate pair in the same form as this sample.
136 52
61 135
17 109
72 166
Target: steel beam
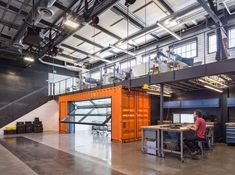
161 102
21 8
154 26
118 10
3 6
9 24
106 31
75 49
96 11
166 6
190 85
87 41
5 36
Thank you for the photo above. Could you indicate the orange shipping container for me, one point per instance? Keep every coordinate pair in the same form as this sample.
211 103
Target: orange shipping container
130 110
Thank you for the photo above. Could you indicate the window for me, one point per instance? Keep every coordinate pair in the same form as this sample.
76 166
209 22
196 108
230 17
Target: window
148 57
212 43
231 36
145 59
95 75
108 69
128 64
188 50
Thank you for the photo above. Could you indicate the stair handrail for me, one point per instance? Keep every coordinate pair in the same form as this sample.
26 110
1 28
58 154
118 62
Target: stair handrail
21 98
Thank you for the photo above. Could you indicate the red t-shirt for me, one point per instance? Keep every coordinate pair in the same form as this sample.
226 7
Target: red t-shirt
201 124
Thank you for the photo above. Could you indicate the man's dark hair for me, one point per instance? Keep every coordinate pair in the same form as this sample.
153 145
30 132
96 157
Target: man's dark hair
198 113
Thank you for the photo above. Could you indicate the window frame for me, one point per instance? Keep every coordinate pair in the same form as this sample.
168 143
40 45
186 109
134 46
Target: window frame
208 35
186 42
127 61
231 28
94 72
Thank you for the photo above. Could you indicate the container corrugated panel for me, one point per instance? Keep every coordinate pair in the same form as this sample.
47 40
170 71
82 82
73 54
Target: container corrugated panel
63 128
113 92
142 112
128 116
135 114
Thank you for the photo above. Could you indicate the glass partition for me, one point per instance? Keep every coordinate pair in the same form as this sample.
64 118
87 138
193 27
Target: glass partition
90 112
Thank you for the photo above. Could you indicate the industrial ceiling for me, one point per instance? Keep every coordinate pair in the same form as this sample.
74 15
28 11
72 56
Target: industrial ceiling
120 26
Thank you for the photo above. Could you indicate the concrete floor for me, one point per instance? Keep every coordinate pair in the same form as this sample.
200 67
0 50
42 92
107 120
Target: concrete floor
116 158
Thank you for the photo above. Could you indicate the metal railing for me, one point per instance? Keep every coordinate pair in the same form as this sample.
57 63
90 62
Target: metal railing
113 73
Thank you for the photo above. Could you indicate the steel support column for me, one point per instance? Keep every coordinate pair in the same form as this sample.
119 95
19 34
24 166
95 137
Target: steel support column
161 102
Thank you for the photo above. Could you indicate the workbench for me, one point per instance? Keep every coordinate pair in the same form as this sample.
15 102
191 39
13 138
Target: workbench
181 131
153 139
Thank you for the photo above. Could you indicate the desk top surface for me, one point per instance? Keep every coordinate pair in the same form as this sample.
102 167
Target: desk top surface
230 124
166 128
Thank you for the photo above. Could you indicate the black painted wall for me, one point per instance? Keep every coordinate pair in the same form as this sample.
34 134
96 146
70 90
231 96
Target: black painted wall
220 115
231 111
201 94
16 81
155 110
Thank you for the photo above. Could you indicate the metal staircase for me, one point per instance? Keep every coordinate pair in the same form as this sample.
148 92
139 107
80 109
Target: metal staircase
23 105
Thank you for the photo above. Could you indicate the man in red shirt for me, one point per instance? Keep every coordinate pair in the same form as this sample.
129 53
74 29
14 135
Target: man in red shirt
200 133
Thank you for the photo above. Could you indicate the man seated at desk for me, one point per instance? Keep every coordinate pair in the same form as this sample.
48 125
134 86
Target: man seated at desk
200 133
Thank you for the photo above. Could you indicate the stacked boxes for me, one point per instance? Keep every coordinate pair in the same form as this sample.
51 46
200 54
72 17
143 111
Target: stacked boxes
20 128
37 126
28 127
25 127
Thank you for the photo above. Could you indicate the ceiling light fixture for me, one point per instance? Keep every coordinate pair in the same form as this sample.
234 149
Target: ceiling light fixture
71 23
169 31
212 88
99 58
156 93
29 58
210 81
217 81
122 50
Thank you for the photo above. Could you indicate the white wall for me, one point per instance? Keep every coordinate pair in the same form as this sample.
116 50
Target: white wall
47 113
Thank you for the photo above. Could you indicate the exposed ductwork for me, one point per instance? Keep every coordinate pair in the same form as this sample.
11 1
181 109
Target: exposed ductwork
42 9
65 66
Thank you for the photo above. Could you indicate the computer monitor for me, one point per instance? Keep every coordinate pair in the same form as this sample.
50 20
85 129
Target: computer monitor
186 118
176 118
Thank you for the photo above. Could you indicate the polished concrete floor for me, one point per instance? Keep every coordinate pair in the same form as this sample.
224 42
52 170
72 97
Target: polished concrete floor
83 153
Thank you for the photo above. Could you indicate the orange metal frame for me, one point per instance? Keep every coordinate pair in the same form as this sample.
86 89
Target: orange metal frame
130 110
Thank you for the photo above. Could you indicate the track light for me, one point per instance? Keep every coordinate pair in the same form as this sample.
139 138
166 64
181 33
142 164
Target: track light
71 23
212 88
29 58
122 50
169 31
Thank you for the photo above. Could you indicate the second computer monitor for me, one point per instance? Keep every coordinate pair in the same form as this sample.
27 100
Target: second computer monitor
183 118
187 118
